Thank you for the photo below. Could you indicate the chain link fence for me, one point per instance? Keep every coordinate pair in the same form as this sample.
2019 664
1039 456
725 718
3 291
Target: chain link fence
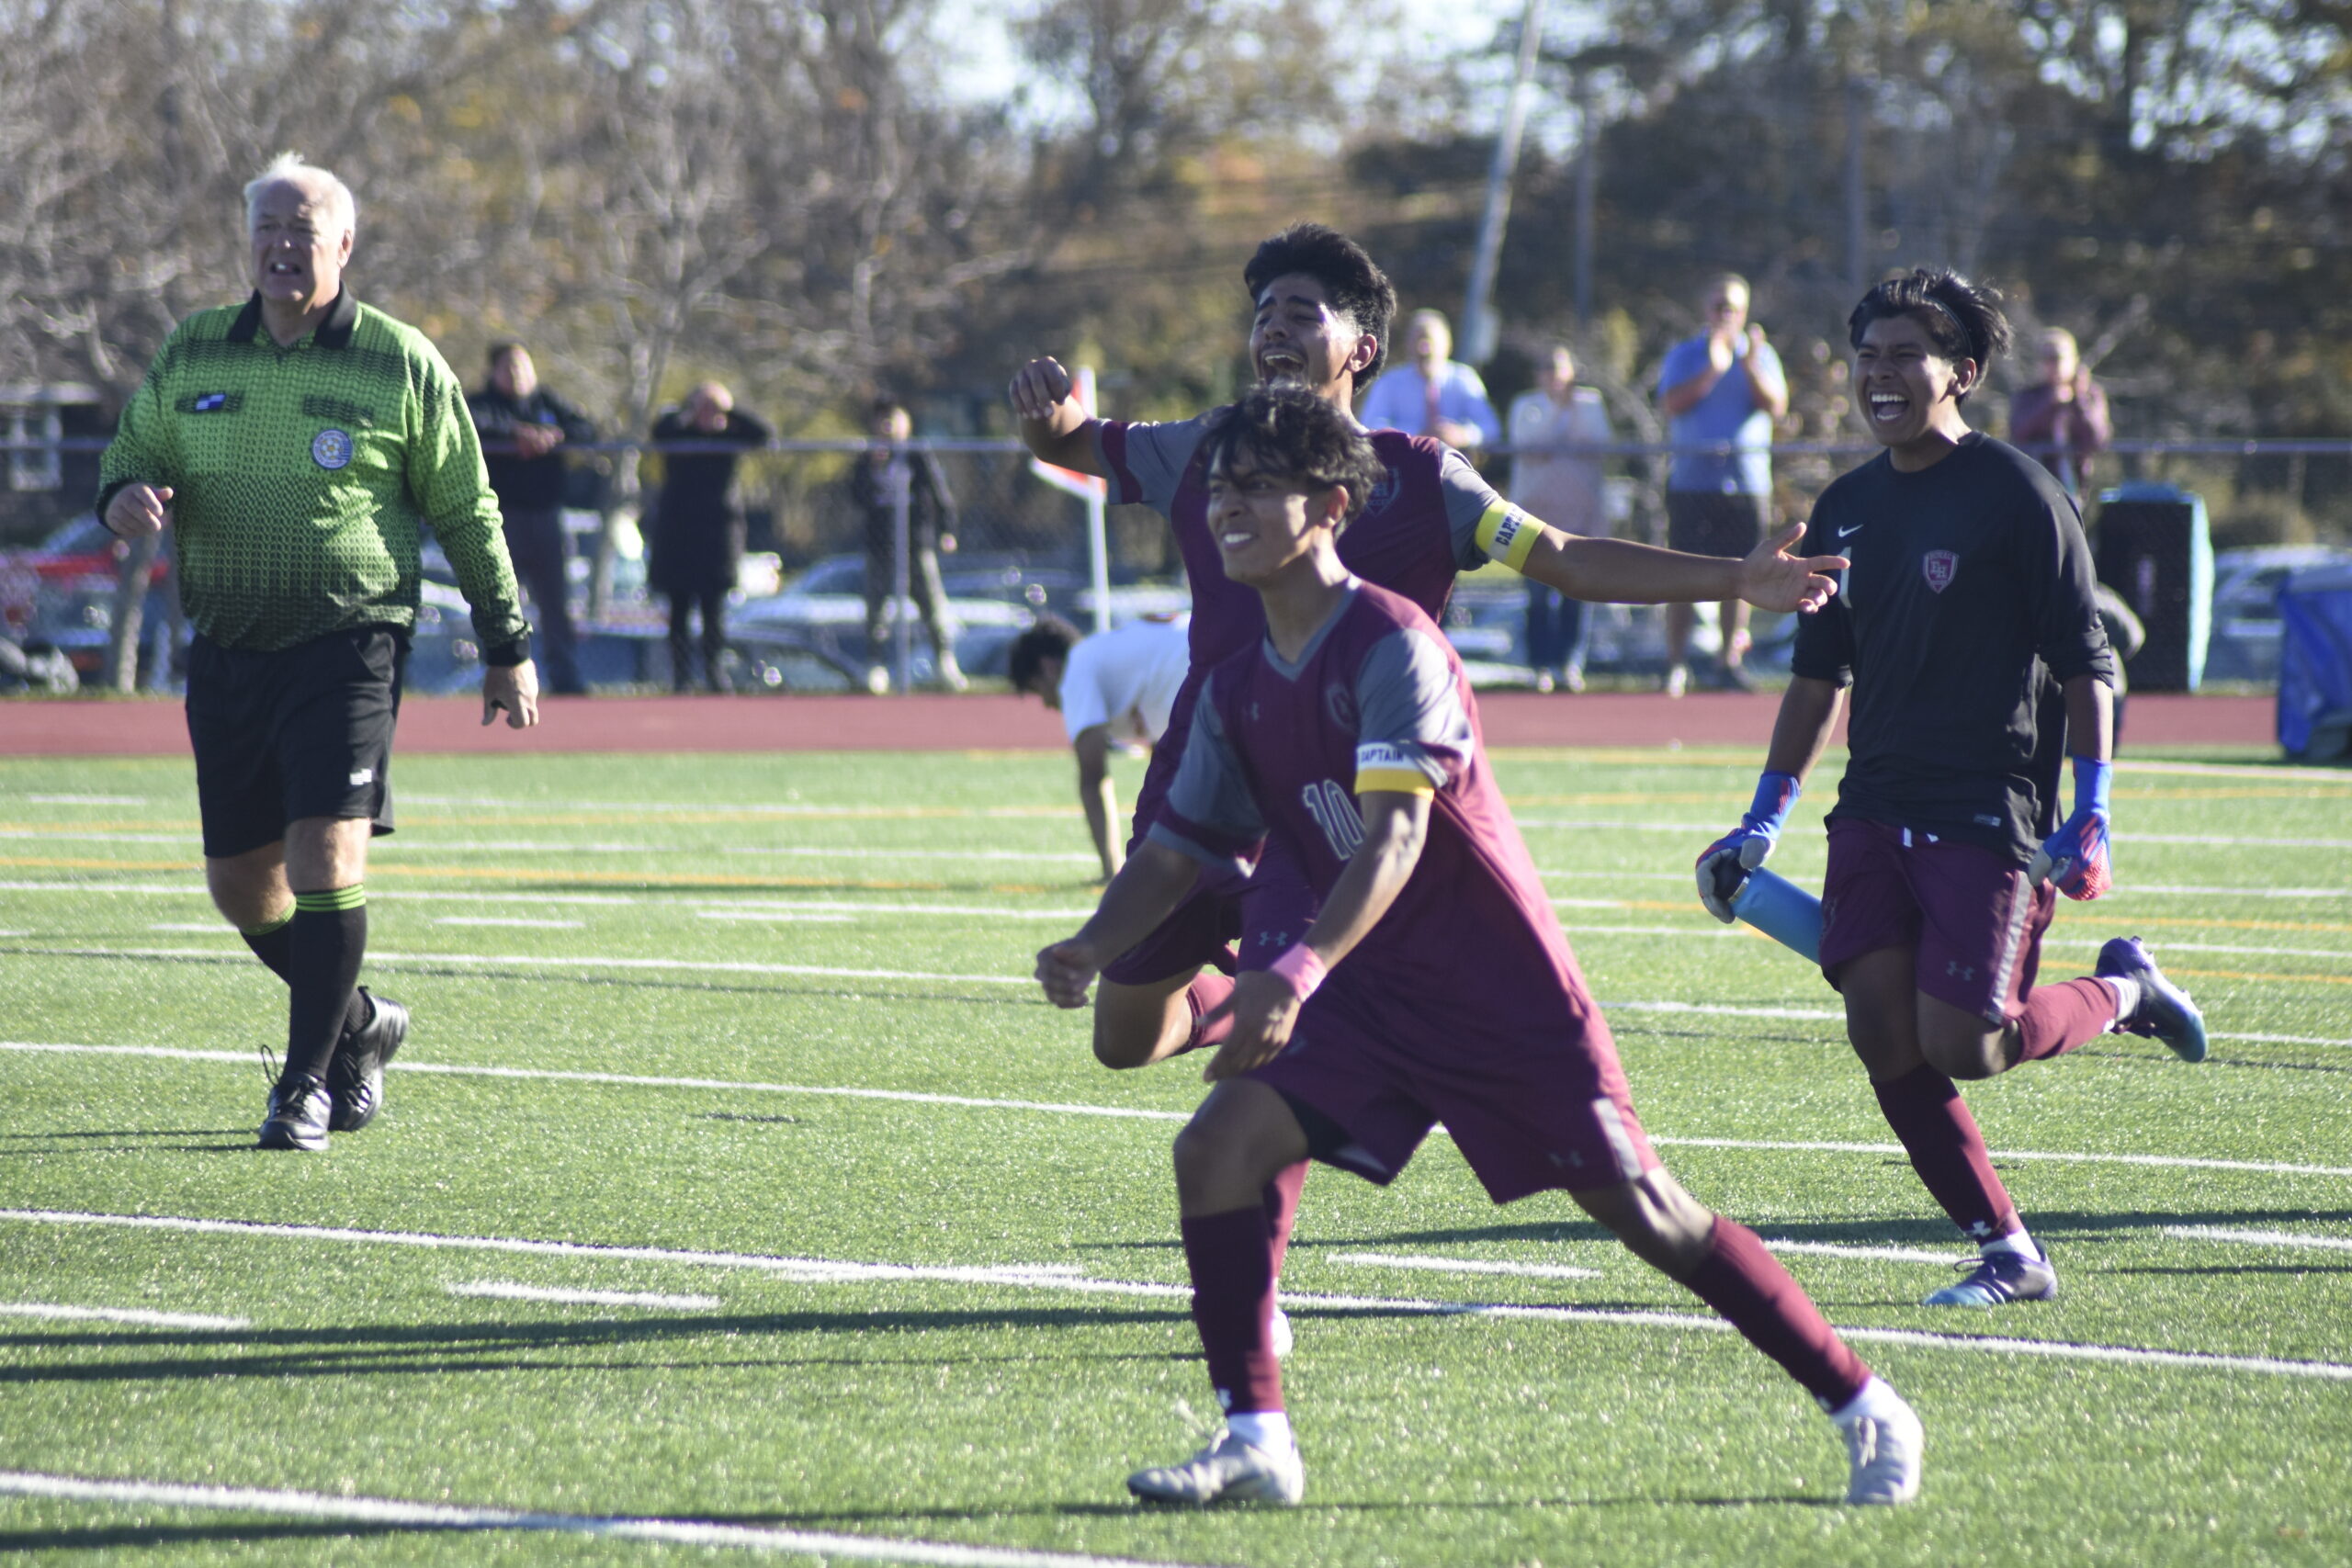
832 595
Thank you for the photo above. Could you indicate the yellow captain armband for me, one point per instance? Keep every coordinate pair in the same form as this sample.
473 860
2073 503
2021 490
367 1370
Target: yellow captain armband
1506 533
1394 781
1381 766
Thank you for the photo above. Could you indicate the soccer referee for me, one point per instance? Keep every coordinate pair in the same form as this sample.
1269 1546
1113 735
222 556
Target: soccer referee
297 445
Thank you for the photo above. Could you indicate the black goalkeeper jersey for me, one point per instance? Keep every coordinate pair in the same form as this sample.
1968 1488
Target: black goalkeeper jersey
1968 600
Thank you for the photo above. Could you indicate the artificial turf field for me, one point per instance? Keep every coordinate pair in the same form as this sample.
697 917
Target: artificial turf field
735 1180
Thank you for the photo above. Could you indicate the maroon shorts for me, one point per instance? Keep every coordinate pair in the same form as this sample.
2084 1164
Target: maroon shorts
1974 918
1532 1110
1265 914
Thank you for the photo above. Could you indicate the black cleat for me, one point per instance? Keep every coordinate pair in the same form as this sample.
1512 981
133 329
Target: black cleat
2165 1012
355 1076
298 1108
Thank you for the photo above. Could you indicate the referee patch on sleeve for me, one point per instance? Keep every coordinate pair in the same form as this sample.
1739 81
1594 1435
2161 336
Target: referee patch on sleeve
1384 765
1506 533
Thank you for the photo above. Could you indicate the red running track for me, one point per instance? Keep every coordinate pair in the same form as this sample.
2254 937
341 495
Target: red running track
147 727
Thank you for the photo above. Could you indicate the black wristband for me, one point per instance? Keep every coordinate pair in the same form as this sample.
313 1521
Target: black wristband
507 655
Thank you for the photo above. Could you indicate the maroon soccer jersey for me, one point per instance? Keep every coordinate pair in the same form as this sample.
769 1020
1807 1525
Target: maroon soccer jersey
1463 1004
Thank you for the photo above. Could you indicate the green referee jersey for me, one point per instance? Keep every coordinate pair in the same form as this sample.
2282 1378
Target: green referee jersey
302 478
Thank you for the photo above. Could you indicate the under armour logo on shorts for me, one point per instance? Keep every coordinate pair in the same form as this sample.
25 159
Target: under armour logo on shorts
362 775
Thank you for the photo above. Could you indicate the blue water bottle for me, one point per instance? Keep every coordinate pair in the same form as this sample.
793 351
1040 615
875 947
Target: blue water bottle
1782 910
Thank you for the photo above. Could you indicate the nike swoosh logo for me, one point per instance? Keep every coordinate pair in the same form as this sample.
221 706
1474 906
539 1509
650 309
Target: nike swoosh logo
1855 529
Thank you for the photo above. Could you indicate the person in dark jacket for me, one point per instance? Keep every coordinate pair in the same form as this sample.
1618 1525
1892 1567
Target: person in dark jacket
524 428
888 470
697 529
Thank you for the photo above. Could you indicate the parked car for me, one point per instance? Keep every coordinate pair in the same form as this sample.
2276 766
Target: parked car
61 593
2244 641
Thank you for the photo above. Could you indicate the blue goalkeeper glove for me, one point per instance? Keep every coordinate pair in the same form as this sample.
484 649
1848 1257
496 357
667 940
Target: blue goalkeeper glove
2075 855
1728 860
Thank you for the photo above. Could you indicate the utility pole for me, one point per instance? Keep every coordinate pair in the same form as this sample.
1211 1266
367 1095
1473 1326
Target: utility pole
1857 195
1587 178
1479 329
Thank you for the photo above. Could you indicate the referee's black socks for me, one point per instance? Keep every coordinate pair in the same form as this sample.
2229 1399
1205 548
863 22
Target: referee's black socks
273 945
325 942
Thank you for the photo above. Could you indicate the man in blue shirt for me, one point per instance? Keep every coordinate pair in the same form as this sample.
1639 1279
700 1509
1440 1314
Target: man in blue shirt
1725 386
1436 395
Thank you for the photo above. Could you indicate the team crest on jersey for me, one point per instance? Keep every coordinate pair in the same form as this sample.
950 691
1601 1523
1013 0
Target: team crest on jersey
1384 492
1341 704
1939 566
331 448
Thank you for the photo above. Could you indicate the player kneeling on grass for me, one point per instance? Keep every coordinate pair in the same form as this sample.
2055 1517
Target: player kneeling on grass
1967 628
1435 985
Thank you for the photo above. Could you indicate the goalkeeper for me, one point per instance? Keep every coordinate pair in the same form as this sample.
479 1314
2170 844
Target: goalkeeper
1967 631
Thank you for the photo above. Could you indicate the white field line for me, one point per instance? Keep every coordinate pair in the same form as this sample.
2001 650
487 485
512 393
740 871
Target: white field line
376 894
1118 1113
504 1291
1889 1254
779 916
2226 840
754 808
1463 1266
436 845
450 1517
195 928
50 835
2283 773
812 1271
639 1080
518 921
122 1315
87 799
871 907
483 960
2259 1238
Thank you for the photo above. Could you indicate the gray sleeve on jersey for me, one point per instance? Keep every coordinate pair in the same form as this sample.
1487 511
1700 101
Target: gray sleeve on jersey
1211 793
1410 712
1467 498
1157 456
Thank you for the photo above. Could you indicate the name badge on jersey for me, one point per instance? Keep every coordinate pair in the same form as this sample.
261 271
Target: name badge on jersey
209 402
331 448
1939 566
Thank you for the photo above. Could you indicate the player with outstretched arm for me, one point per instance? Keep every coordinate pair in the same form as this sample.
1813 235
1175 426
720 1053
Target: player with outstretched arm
1321 314
1434 984
1967 631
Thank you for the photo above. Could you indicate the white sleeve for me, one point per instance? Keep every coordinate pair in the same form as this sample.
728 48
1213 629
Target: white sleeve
1085 704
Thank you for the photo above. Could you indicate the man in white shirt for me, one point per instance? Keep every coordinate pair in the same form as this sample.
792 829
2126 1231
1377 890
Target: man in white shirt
1115 688
1435 395
1562 486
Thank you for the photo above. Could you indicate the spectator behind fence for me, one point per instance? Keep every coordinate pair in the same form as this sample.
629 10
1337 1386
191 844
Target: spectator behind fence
1724 386
523 427
1564 489
1435 395
1116 688
2062 418
888 473
697 528
297 446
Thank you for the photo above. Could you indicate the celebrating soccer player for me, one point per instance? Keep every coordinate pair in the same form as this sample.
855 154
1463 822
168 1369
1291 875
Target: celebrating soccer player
1967 629
1322 313
1435 984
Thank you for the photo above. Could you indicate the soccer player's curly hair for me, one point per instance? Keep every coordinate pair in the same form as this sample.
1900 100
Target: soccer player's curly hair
1351 280
1051 637
1291 431
1963 320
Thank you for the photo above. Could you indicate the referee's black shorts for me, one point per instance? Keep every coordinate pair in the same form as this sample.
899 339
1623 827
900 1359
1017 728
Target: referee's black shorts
306 731
1714 523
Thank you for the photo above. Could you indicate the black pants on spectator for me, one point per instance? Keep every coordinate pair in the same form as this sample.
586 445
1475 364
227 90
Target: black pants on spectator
713 603
535 539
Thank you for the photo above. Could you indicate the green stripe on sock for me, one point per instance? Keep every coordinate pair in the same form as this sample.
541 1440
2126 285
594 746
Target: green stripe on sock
333 900
266 927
